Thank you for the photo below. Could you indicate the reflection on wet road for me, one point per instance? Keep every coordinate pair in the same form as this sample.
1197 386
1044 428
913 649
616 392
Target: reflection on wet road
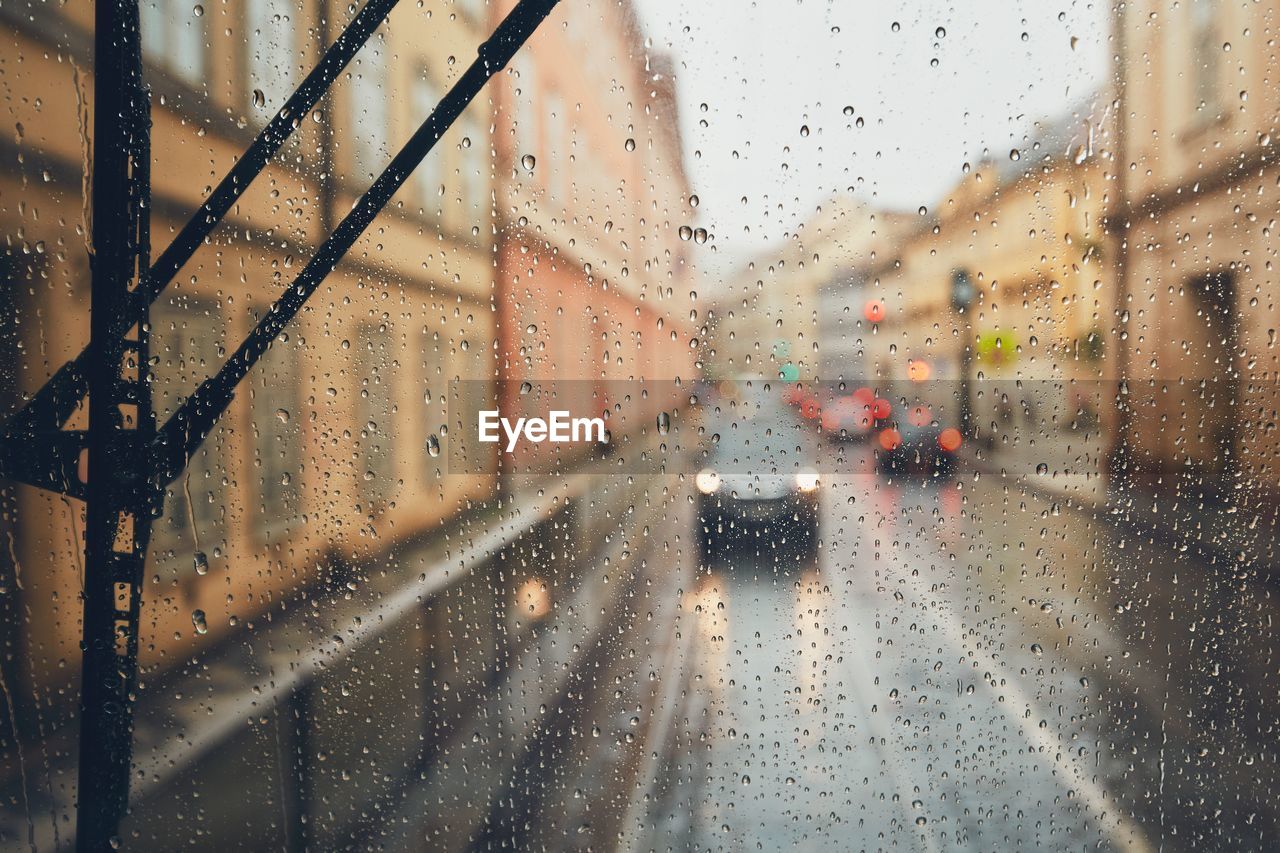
967 666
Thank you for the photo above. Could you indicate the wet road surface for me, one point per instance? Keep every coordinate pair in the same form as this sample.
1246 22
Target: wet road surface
972 665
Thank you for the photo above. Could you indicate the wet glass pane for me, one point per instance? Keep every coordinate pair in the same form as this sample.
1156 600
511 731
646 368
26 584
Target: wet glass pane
659 427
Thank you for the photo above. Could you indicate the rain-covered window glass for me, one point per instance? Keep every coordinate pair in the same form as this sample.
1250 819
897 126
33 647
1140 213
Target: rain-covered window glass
173 37
271 52
747 426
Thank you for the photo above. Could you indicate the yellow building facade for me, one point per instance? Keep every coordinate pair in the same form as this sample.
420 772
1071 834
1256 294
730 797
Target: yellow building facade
323 459
1194 224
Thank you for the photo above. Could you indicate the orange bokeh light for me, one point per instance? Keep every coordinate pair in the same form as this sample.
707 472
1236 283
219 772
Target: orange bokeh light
950 440
874 310
918 371
890 439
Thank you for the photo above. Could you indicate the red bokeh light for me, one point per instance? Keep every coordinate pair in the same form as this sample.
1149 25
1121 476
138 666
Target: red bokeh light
874 310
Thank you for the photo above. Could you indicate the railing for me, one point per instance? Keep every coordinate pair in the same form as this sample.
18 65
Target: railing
192 723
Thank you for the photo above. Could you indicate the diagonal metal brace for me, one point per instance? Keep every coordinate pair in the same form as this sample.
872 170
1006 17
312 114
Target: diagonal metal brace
179 438
33 448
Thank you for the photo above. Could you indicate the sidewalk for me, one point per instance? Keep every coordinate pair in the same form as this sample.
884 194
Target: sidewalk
1239 533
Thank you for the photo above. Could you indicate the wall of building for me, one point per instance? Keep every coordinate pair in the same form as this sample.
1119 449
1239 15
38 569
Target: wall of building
1199 111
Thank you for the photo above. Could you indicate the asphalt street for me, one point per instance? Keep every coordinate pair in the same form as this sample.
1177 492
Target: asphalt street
968 664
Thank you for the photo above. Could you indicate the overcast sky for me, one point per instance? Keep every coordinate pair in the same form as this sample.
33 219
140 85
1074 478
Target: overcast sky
936 83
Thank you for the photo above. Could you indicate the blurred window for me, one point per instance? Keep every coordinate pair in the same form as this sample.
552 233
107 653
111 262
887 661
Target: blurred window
1206 58
526 124
277 432
373 411
187 349
173 38
557 150
473 167
423 97
271 56
369 116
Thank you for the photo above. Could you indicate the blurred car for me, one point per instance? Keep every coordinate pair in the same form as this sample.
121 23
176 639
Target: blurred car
918 443
854 416
758 484
846 418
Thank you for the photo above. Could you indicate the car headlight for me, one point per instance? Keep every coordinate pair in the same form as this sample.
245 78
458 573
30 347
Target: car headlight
707 481
807 480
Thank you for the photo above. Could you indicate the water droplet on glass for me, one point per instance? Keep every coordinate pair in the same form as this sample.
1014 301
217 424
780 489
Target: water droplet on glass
259 98
201 560
197 619
528 161
686 233
630 144
664 423
433 445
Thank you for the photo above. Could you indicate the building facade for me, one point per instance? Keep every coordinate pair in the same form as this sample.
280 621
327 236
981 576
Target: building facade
595 290
1193 224
1006 287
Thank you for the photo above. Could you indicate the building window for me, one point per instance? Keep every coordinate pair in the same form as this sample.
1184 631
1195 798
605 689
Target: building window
557 149
186 343
369 119
472 10
270 51
1206 57
173 38
374 412
277 432
524 115
473 167
424 95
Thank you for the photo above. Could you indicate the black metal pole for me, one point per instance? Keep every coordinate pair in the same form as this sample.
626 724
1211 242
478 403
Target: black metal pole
121 426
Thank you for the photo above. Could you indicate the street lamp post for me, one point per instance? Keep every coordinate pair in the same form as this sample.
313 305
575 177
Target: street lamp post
962 296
